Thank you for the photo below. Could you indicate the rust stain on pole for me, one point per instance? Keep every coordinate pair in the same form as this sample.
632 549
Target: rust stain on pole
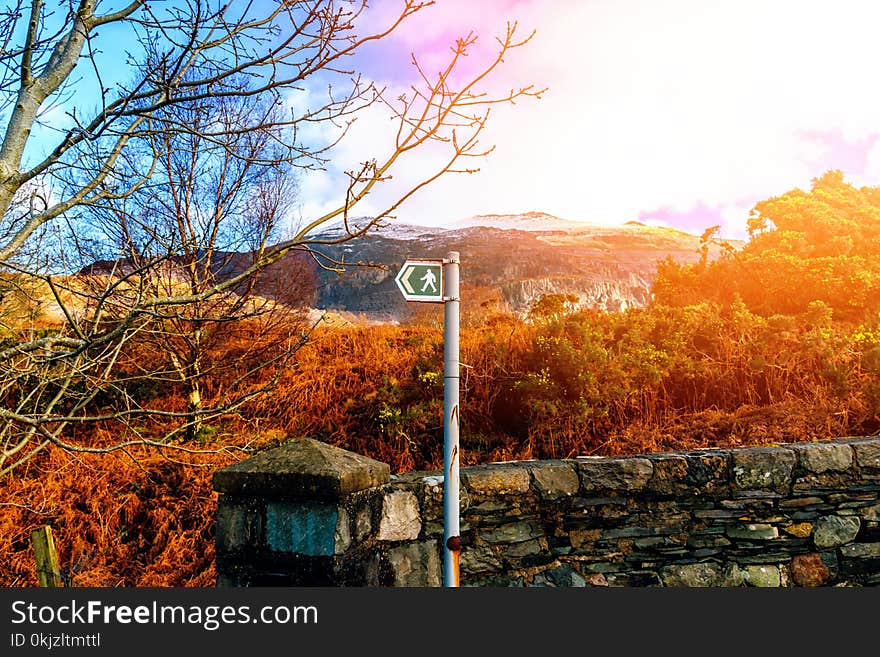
453 543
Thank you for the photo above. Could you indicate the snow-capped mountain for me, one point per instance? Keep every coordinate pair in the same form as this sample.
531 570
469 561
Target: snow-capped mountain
509 261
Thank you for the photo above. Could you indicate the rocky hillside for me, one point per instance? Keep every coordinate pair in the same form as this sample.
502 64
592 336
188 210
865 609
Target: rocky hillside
509 261
514 259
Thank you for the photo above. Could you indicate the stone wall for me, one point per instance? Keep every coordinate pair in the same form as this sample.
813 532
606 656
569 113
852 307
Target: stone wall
790 515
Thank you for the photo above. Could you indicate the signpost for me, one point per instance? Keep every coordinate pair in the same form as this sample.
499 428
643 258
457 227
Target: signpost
436 281
421 280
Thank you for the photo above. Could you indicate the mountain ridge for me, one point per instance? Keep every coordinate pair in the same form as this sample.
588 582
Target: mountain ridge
516 258
507 261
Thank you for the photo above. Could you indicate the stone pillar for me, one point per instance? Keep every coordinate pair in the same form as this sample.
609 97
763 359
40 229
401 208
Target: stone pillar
303 514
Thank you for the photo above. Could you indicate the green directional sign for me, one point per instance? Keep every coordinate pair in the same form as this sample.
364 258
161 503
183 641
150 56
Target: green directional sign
421 280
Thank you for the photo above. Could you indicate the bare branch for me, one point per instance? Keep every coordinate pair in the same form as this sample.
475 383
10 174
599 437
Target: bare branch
145 285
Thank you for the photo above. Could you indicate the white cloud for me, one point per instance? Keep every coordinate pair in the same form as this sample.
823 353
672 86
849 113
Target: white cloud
656 105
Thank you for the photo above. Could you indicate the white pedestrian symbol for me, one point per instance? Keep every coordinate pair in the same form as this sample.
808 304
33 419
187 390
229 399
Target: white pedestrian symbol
429 279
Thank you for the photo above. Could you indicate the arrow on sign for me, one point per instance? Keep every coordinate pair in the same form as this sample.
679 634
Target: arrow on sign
421 280
404 280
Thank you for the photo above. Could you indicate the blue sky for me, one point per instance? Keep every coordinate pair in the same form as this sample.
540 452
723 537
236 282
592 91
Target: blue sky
682 112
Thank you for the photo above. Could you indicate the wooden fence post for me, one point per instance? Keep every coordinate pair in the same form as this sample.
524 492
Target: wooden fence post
48 568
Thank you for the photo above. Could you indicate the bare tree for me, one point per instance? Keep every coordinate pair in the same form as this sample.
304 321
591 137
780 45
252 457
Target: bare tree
194 63
212 207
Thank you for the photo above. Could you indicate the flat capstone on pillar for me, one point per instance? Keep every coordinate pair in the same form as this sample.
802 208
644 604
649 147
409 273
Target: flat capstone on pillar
285 516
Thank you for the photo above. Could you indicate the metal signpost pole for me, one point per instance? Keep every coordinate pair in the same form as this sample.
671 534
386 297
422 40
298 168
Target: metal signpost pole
436 281
451 533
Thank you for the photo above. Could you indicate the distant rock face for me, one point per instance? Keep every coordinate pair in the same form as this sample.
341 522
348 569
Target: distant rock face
610 295
514 260
519 258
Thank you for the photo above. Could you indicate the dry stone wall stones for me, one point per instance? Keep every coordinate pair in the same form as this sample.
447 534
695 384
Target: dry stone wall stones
415 564
834 531
763 469
799 529
867 455
861 550
621 474
801 503
753 532
668 474
581 538
794 515
239 525
824 458
763 576
554 480
342 535
400 519
479 559
708 471
560 576
514 532
496 480
709 574
524 549
363 524
809 570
